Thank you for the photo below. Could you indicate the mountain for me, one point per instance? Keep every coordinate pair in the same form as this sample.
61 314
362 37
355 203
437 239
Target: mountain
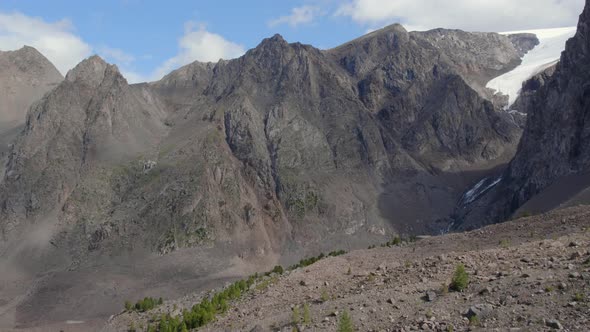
219 170
550 167
25 76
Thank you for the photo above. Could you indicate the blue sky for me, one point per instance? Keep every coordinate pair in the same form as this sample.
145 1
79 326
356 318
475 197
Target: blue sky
147 39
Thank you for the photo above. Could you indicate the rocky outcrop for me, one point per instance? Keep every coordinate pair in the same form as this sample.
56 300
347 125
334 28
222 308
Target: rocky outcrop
524 42
529 89
555 142
25 76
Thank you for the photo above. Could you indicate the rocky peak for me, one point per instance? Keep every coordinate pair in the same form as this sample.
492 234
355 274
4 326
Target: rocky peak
524 42
578 47
273 47
92 71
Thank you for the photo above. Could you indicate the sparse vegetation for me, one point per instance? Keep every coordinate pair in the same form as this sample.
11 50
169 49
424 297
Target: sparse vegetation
324 296
460 279
549 289
128 306
306 314
205 311
295 318
474 320
278 269
146 304
579 297
504 243
308 261
345 324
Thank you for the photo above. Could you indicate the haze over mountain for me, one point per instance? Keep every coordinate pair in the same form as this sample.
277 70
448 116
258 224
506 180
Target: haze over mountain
219 170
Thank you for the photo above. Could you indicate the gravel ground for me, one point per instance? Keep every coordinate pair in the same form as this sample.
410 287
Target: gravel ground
531 274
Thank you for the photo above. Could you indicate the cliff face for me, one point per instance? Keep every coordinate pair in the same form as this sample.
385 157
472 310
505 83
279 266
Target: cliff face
554 148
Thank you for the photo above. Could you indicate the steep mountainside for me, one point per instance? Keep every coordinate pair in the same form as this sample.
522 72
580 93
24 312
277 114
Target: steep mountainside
285 151
551 165
25 75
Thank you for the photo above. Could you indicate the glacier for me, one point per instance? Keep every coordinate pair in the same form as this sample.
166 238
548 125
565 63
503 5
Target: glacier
551 44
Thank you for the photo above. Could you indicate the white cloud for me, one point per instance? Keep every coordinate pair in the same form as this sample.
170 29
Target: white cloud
116 55
298 16
55 40
199 45
471 15
59 43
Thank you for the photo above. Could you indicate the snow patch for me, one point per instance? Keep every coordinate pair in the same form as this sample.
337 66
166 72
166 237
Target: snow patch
544 55
479 189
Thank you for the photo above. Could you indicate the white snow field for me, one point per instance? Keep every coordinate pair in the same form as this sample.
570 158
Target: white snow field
552 43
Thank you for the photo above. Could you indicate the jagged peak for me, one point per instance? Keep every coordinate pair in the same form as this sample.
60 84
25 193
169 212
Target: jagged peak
92 69
396 27
29 49
275 41
393 29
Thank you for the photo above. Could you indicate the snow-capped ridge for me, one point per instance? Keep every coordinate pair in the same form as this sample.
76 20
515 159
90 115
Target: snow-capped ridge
544 55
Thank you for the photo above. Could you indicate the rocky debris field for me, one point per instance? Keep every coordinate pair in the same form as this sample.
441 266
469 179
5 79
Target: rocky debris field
530 274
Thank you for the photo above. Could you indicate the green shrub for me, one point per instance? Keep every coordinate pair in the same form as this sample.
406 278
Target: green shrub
131 327
474 320
295 316
278 269
345 324
460 279
324 297
306 314
144 305
579 297
128 306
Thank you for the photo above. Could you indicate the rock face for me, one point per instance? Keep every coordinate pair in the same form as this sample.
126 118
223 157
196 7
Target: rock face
285 151
529 90
25 76
553 157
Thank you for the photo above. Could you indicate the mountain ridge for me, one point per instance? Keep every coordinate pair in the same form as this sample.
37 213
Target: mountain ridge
283 152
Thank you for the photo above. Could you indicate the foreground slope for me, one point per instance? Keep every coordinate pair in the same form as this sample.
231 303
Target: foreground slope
529 274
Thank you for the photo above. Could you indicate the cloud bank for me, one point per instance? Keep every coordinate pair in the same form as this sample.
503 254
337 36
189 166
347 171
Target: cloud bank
199 45
59 43
55 40
471 15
